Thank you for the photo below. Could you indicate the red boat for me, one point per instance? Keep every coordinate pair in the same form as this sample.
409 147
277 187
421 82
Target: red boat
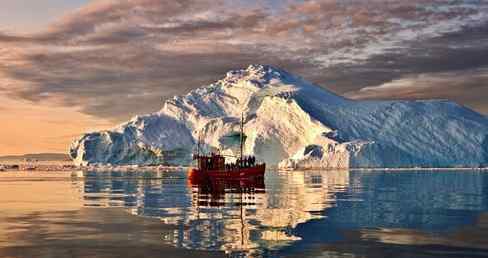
214 165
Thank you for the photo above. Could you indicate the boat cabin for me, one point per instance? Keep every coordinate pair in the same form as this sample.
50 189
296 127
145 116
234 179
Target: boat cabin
217 162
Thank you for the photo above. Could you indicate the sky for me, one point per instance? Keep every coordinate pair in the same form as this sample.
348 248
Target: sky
72 66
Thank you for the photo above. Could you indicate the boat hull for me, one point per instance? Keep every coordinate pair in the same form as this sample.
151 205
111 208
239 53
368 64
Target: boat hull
237 174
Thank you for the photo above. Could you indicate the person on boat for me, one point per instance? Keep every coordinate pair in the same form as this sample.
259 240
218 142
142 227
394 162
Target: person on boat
209 163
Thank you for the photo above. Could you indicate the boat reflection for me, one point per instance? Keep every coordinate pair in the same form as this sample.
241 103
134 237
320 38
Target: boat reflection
239 217
215 192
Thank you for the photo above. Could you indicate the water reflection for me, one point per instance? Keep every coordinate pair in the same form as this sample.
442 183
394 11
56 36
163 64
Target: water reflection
243 216
433 201
289 212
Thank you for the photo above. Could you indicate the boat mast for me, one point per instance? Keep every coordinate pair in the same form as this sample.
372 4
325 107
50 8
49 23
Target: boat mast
198 143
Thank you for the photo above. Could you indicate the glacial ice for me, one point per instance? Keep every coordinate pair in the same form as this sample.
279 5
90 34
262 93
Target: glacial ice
292 123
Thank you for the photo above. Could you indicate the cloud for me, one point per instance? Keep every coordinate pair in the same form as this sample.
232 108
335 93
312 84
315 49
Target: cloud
115 84
114 59
453 52
469 86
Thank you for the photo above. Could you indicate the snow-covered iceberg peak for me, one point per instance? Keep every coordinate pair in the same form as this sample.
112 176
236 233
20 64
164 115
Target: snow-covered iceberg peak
293 123
259 76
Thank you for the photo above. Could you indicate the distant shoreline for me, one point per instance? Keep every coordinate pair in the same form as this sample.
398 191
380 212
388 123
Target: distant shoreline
45 166
36 157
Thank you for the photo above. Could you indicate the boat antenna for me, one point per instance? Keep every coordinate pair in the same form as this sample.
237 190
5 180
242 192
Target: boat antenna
242 134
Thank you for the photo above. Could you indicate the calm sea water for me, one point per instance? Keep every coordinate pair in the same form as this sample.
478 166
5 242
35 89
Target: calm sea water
287 214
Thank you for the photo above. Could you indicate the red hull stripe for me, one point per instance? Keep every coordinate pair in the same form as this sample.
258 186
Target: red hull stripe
237 173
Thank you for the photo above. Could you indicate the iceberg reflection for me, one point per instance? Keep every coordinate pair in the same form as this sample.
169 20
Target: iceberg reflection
240 216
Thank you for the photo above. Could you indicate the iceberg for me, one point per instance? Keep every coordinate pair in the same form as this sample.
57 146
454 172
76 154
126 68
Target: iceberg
292 123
